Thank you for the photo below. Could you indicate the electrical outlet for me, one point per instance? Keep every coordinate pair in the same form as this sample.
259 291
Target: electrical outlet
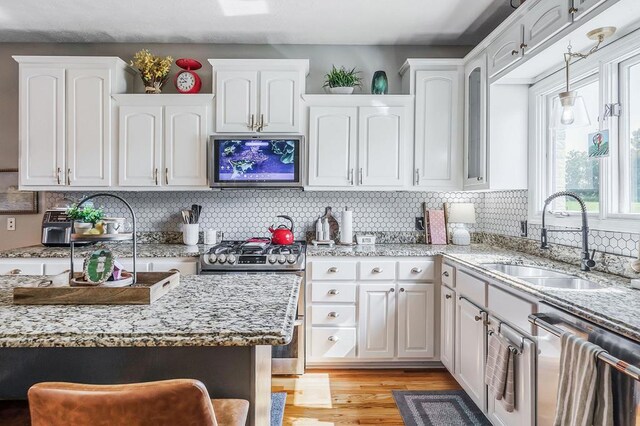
419 223
11 224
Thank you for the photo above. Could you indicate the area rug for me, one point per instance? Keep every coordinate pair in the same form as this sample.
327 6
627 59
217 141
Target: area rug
438 408
278 400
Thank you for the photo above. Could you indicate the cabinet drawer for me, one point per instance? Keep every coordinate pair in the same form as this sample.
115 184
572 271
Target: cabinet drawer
330 270
333 292
448 275
186 267
472 288
27 268
377 270
333 342
416 270
511 308
333 315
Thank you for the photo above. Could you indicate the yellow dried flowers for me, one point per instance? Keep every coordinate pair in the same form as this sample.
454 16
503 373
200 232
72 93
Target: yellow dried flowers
154 70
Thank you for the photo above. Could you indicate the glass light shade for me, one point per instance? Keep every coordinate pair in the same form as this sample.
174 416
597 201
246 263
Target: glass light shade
569 110
462 213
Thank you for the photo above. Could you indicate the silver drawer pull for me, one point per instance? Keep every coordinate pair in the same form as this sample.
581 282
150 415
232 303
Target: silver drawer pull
445 274
447 296
392 290
333 315
377 270
477 318
334 292
333 338
416 270
15 272
401 290
333 269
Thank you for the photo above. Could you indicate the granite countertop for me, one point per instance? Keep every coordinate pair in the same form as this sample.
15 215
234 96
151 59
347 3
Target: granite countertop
119 249
391 250
204 310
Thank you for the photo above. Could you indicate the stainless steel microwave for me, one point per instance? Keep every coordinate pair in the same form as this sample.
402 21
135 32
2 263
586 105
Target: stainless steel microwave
246 161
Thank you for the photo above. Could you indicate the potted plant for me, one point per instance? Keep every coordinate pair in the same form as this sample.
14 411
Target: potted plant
87 220
341 80
154 70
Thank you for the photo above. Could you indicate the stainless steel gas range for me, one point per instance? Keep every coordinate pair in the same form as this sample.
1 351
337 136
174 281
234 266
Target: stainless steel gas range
260 256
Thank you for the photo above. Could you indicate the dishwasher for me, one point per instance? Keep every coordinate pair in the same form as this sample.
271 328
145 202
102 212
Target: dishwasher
622 354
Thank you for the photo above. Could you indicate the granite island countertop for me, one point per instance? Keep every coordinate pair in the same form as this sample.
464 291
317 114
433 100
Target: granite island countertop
119 249
204 310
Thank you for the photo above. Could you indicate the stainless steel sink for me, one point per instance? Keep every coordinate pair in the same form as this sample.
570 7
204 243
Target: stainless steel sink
544 277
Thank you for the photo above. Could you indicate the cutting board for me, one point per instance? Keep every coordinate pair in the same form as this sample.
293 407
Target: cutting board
150 286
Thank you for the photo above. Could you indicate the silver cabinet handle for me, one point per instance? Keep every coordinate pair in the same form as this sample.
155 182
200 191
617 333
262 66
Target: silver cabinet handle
15 272
334 292
417 176
445 274
261 126
333 338
333 315
351 176
401 289
377 270
252 122
333 269
523 46
479 178
447 296
416 270
58 175
68 176
155 175
360 175
573 10
477 318
515 52
392 290
166 176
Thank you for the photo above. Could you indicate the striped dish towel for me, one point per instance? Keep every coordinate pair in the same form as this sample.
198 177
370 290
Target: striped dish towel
499 373
584 389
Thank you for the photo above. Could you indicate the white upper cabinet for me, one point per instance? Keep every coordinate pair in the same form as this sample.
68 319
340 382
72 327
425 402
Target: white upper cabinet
88 127
377 314
416 321
475 130
66 126
258 95
332 145
506 49
42 135
544 19
437 129
381 153
582 7
163 140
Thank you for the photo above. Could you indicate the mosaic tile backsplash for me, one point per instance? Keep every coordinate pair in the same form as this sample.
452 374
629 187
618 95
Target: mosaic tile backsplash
245 213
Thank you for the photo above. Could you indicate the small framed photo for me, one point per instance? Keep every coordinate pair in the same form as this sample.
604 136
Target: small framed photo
13 201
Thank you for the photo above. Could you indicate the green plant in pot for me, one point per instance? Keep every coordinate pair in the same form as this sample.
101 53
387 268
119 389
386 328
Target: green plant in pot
341 80
87 220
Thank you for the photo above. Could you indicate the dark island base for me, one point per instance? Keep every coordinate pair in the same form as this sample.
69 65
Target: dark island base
227 371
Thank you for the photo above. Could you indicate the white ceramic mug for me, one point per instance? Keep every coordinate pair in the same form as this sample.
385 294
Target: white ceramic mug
190 233
210 237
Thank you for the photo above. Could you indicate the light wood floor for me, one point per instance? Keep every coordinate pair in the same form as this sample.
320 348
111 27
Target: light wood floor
340 397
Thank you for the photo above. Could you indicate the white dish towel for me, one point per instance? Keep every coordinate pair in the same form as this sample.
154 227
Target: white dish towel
584 389
499 372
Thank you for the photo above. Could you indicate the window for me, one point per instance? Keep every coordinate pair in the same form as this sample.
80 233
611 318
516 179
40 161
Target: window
630 136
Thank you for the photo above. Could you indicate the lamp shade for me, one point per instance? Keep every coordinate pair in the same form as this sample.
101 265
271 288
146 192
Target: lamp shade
569 110
462 213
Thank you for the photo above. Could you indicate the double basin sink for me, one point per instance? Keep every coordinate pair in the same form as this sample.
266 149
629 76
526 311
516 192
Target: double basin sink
544 277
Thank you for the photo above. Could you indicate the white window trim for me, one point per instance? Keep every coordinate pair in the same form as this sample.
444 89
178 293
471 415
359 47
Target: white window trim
605 63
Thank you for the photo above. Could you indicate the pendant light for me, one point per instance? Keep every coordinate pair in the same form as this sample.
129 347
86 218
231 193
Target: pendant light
569 109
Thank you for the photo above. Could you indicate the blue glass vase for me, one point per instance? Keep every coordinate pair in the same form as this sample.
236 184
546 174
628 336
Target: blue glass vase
379 83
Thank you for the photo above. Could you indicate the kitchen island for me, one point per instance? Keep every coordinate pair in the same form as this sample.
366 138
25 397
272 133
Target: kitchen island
215 328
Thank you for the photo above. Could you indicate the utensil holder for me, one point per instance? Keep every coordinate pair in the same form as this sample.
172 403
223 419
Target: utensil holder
190 233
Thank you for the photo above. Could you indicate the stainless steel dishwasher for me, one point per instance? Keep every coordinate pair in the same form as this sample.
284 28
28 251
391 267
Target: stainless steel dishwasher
623 355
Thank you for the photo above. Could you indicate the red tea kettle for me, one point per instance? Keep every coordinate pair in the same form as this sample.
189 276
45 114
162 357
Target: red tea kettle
282 235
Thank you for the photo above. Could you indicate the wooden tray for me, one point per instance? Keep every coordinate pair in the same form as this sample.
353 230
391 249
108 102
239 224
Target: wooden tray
149 287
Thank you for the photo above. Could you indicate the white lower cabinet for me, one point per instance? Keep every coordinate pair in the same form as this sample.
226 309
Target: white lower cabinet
447 327
49 266
416 321
471 350
376 320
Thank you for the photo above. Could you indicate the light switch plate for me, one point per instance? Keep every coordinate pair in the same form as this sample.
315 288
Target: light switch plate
11 224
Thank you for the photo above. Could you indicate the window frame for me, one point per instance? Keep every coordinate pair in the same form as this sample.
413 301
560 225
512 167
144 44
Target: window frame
606 64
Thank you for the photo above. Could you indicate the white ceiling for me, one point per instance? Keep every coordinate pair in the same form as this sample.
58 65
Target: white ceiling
442 22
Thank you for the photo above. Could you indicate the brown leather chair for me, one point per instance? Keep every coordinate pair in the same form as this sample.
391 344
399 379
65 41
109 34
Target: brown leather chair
164 403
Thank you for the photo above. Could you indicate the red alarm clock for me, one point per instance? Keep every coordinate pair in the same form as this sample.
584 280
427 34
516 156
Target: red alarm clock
187 81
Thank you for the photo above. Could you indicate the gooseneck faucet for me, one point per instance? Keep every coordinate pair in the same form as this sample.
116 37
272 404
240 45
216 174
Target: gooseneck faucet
587 261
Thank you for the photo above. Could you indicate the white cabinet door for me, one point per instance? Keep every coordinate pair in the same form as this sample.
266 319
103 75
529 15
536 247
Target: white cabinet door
236 101
416 321
506 49
437 129
280 101
88 127
381 146
475 129
582 7
470 350
185 145
543 20
447 327
42 133
376 320
332 146
140 145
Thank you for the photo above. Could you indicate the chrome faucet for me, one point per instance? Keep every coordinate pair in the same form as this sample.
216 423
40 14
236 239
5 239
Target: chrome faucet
587 261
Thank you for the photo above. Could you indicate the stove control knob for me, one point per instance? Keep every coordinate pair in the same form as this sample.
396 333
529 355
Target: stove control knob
282 259
291 259
222 258
231 259
272 259
212 258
